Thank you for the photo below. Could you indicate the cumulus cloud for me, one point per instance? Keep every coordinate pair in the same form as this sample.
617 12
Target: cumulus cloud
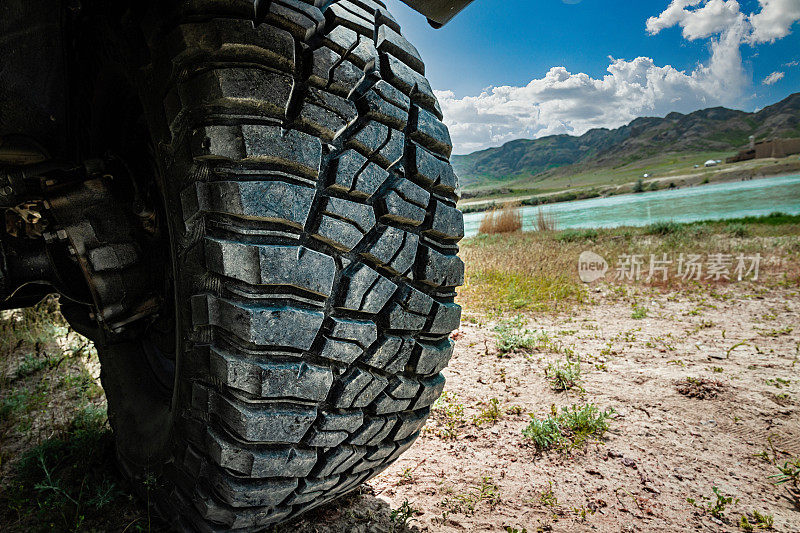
566 102
774 21
711 18
775 77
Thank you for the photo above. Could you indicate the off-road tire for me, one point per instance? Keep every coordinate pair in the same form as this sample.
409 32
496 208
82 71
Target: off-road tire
313 220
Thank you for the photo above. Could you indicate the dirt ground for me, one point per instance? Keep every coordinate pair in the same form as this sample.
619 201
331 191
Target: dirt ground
703 382
671 439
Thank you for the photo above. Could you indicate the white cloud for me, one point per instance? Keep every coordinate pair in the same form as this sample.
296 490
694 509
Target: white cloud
774 21
713 17
565 102
775 77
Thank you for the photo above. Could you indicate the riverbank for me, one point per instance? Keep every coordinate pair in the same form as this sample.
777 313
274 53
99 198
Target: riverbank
724 173
688 204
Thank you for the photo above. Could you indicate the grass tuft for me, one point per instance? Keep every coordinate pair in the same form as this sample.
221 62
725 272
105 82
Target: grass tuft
572 427
505 219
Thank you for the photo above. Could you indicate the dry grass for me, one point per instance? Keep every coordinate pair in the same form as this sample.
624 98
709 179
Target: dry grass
538 270
545 220
505 219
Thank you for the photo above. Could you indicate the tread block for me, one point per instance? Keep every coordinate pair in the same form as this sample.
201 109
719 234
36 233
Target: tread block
250 493
447 317
394 249
402 446
409 423
286 326
347 339
397 396
329 71
448 222
430 170
406 203
341 15
299 380
291 149
410 311
340 459
355 175
356 388
379 142
299 18
219 513
344 223
259 462
391 42
382 111
432 358
332 429
272 265
265 91
365 290
232 39
264 201
256 422
438 269
374 430
326 114
391 354
429 131
410 83
431 390
341 40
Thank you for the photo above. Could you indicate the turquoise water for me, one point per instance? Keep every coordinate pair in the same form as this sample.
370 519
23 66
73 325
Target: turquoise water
722 200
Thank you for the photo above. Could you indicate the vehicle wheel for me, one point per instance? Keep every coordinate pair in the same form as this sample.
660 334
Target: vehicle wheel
313 225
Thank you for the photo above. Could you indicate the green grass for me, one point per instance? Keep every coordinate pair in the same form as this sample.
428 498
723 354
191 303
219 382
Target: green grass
70 483
569 428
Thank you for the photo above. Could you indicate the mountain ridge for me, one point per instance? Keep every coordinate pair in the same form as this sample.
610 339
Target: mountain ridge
714 129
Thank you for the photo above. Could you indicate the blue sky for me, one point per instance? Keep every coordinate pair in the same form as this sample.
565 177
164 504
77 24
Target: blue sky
506 69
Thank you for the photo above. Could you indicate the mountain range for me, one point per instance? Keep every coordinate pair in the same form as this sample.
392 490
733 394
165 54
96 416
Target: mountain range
716 129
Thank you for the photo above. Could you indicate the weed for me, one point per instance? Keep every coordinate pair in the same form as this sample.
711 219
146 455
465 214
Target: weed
563 375
778 382
759 521
466 503
715 507
737 230
576 235
639 313
582 513
548 497
663 228
449 414
569 428
512 337
489 414
511 529
402 516
514 410
789 472
406 476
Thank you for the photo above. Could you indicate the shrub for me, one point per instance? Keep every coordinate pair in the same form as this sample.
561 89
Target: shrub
545 221
506 219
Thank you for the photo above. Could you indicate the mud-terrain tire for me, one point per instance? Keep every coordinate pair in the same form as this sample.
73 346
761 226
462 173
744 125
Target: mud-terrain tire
312 211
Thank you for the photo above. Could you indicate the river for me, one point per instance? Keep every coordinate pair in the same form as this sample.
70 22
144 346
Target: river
718 201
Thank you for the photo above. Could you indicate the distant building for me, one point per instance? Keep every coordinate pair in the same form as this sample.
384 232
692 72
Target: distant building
770 148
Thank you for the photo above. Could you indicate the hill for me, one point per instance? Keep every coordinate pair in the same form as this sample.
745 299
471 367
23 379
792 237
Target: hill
528 163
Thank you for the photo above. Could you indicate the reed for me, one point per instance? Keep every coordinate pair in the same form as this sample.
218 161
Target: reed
505 219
